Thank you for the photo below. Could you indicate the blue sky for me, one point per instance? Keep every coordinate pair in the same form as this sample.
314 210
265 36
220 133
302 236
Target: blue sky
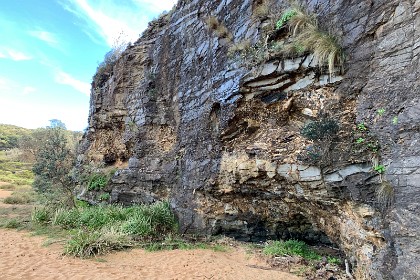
49 51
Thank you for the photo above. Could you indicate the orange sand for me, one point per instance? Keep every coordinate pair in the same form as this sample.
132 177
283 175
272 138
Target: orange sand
24 257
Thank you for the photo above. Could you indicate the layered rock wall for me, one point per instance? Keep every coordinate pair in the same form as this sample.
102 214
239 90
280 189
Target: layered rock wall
185 121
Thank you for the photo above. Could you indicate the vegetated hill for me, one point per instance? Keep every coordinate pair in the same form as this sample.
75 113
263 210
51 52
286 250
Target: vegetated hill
10 134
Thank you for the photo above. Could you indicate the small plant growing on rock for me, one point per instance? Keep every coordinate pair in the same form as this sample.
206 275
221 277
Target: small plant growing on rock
381 112
319 130
380 168
262 10
287 15
97 181
104 197
361 126
360 140
218 28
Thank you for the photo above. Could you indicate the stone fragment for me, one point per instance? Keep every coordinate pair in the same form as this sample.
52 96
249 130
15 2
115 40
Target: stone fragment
269 68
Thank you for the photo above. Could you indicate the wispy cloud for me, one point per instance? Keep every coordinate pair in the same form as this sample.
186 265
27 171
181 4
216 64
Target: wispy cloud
111 18
14 55
12 87
66 79
28 90
45 36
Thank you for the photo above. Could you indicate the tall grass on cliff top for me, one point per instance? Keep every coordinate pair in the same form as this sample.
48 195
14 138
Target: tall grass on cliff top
99 229
309 37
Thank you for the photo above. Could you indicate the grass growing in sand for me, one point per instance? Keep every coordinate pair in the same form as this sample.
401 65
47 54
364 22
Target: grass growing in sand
97 230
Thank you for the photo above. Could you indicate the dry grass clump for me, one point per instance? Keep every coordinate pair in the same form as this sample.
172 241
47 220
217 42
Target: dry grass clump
239 47
300 20
218 28
309 37
262 9
323 45
385 194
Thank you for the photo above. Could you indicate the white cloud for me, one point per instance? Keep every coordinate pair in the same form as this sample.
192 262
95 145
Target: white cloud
45 36
66 79
28 90
12 87
110 18
14 55
5 84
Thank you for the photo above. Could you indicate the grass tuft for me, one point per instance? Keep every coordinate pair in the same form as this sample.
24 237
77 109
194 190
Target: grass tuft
11 223
85 244
40 216
218 28
291 248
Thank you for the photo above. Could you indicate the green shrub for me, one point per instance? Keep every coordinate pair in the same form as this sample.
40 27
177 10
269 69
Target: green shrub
153 220
97 181
320 130
291 248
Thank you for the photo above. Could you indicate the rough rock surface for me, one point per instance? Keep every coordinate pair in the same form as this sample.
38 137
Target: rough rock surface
223 142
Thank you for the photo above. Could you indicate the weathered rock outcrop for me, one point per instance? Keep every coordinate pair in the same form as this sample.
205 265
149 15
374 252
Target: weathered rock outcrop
223 142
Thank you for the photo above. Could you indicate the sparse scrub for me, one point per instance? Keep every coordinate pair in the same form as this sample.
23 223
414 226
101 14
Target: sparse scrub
11 223
106 67
9 187
19 197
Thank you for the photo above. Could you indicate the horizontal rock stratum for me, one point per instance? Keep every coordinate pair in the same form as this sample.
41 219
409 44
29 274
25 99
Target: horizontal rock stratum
225 137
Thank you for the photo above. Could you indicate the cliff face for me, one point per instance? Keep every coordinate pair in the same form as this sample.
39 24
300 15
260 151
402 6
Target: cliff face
185 121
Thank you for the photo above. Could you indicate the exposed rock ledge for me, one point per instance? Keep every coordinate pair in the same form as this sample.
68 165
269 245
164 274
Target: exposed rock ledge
223 142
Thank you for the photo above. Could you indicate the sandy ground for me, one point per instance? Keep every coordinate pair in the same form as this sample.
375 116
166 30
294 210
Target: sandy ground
24 257
4 193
